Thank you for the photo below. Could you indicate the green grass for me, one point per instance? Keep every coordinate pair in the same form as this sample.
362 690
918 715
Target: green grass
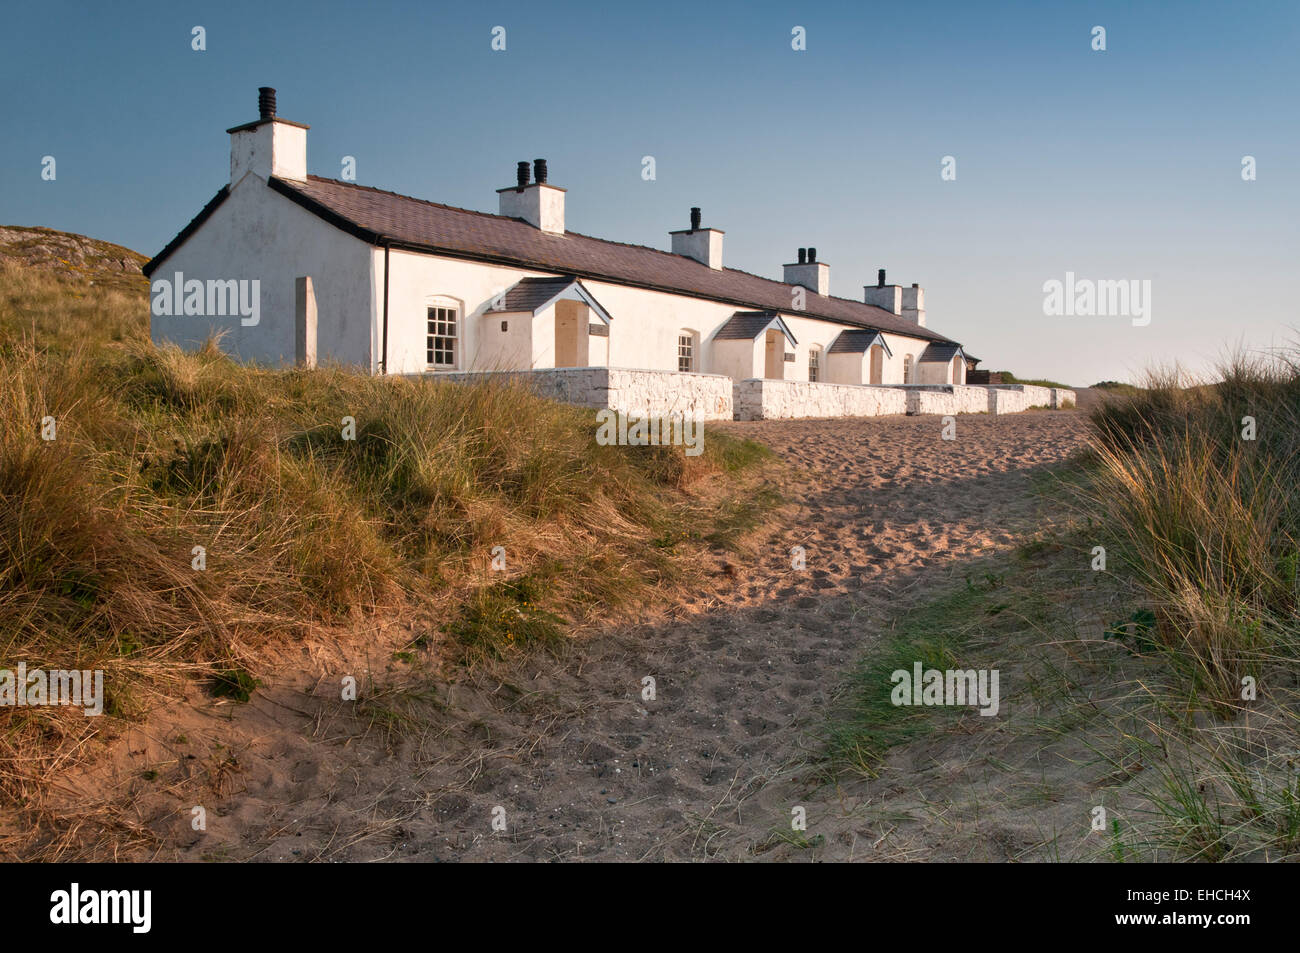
940 635
1009 378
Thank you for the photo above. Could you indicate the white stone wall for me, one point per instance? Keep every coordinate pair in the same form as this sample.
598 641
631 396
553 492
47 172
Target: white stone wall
952 399
1007 401
1060 395
1035 396
760 399
641 392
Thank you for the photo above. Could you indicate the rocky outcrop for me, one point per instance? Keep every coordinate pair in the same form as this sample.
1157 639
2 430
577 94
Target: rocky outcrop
73 256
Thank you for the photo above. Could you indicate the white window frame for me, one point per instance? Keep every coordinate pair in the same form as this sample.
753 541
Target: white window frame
688 347
815 364
434 311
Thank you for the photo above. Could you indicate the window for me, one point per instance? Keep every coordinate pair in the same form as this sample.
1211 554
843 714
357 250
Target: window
907 369
815 364
441 341
686 352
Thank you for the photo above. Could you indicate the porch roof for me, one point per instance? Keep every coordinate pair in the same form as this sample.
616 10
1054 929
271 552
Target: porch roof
941 353
534 294
748 325
858 342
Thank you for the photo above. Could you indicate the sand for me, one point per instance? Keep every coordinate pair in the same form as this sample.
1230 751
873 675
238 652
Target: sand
580 765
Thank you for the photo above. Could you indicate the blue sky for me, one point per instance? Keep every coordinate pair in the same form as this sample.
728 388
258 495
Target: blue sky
1123 164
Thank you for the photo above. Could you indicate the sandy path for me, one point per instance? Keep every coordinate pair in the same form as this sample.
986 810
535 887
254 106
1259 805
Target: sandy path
582 765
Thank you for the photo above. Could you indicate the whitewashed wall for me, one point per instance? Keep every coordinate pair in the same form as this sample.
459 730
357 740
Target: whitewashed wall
1062 394
1035 396
643 392
1007 401
259 234
935 373
643 333
952 399
759 399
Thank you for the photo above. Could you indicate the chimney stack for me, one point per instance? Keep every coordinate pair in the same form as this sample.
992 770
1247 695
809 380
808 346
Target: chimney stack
268 146
905 302
809 273
540 204
702 244
889 297
914 304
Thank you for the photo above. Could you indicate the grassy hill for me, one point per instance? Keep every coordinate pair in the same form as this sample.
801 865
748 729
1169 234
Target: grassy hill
157 453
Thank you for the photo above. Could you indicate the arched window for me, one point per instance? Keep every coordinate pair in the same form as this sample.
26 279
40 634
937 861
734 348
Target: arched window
688 351
907 369
815 363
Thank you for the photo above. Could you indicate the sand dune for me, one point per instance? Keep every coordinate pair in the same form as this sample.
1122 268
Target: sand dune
582 765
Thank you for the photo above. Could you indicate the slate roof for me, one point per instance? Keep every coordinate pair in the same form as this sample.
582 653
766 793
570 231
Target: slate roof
747 325
399 221
940 353
529 294
857 342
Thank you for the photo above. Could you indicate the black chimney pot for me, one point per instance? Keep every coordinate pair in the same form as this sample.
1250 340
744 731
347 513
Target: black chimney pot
265 102
803 255
539 170
521 174
812 255
880 278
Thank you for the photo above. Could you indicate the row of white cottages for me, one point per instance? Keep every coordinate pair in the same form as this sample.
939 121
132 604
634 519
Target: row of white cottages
358 276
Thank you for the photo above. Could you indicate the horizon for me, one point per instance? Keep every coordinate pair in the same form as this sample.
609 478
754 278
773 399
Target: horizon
1141 187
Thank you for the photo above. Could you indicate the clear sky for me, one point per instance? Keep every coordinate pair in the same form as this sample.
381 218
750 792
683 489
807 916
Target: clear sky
1121 165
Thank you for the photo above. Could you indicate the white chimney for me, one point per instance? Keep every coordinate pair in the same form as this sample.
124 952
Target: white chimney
809 273
914 304
702 244
540 205
889 297
270 146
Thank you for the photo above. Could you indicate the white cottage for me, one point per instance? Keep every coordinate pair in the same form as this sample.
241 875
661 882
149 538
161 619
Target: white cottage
296 268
